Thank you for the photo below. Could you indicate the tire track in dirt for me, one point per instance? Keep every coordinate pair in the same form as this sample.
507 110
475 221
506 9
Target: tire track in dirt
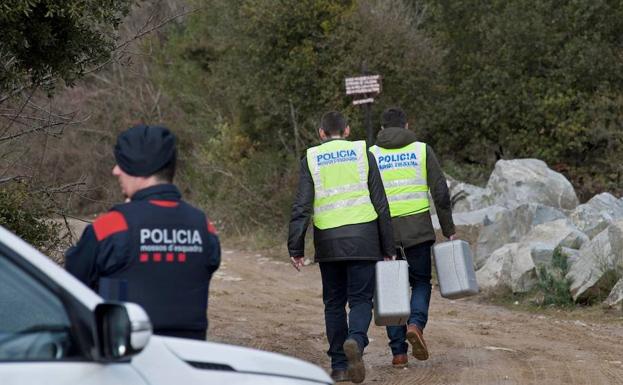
264 303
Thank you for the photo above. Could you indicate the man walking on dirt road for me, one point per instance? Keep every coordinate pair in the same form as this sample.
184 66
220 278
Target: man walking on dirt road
340 186
155 249
410 169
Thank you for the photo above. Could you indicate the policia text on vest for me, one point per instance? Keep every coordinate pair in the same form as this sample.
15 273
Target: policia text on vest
403 171
340 173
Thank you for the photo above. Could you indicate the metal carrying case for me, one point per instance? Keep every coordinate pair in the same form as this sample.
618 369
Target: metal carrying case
455 269
392 305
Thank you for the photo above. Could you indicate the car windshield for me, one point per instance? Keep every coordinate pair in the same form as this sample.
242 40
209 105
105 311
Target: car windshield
33 321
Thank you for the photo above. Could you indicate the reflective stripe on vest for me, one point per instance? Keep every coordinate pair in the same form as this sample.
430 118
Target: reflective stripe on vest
403 171
339 169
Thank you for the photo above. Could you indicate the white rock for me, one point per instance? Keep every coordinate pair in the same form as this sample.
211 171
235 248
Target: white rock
467 197
542 254
510 266
471 218
597 259
572 255
511 225
598 213
574 240
543 239
616 295
518 181
515 264
496 270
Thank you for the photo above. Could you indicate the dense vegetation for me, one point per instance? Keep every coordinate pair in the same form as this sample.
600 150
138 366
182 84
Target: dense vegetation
533 79
44 45
480 80
244 83
46 41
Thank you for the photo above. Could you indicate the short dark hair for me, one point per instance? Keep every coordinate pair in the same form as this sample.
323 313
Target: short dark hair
167 173
394 117
333 123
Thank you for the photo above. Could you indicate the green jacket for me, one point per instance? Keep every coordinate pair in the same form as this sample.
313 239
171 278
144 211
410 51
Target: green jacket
418 228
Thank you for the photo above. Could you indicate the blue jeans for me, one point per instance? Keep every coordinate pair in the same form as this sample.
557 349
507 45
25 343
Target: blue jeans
349 282
419 259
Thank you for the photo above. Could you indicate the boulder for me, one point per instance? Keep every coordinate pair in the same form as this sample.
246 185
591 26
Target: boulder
497 269
615 298
467 197
574 240
468 224
509 226
515 264
472 218
598 213
598 262
511 265
569 253
544 239
542 253
518 181
553 234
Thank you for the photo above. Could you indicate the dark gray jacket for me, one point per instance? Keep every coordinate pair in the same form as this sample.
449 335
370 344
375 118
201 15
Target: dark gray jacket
363 241
418 228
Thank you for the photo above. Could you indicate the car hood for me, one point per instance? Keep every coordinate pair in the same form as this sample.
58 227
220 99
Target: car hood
211 355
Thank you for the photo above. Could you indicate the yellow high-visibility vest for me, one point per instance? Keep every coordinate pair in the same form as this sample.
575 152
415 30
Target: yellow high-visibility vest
403 171
339 169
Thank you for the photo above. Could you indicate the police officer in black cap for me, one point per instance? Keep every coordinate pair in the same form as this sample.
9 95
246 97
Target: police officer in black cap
155 249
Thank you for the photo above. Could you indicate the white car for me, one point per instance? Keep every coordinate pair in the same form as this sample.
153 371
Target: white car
54 330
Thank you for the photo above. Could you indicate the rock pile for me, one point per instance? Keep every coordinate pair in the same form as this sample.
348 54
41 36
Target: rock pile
526 214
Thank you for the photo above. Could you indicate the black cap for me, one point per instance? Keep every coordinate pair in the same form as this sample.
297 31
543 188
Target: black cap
144 150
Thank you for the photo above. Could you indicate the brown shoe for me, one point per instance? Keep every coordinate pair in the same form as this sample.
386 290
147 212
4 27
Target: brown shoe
400 360
356 368
416 339
339 375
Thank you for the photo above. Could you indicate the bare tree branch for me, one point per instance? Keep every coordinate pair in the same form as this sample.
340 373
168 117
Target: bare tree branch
65 215
36 129
295 128
142 32
12 178
64 189
21 110
11 94
252 194
64 116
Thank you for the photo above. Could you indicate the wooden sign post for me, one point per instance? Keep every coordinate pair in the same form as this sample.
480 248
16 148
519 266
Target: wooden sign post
364 88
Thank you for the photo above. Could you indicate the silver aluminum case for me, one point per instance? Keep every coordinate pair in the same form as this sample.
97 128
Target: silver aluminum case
392 305
455 269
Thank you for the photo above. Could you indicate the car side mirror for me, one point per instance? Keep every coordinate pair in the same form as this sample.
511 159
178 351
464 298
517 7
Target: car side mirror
123 330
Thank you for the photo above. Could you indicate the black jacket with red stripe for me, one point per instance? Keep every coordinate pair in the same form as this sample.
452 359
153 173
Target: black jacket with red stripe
155 250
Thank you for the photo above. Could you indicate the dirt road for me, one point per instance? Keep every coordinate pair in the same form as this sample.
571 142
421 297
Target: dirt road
264 303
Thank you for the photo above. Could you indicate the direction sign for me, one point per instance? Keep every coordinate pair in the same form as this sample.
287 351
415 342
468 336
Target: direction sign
363 101
363 85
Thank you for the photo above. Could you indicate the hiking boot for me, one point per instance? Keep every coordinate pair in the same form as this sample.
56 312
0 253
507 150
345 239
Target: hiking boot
339 375
416 339
400 360
356 369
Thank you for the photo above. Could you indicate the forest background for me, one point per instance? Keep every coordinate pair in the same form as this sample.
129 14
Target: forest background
243 84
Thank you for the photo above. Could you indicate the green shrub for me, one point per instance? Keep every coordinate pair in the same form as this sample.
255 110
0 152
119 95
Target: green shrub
47 40
553 283
531 78
26 215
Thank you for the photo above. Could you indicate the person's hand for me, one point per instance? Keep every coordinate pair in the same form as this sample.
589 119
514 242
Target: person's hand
297 262
389 258
453 237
